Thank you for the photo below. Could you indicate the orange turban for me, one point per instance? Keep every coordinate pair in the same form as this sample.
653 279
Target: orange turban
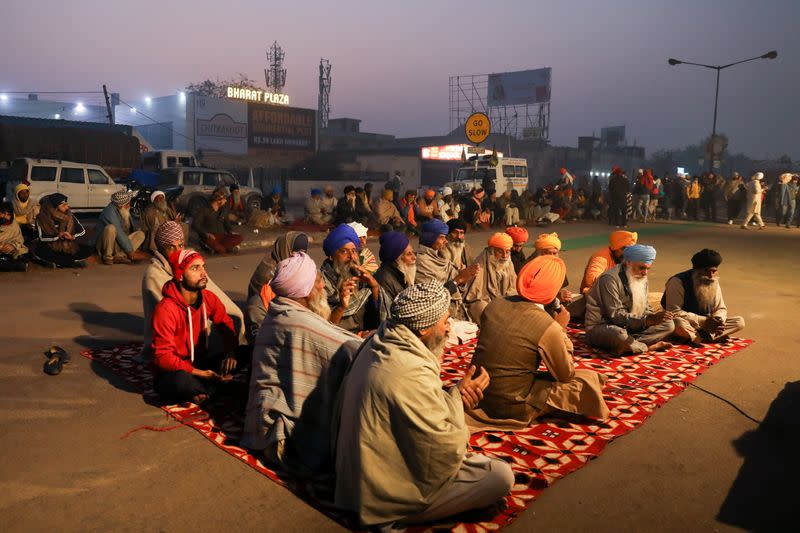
501 240
547 240
541 278
518 235
620 239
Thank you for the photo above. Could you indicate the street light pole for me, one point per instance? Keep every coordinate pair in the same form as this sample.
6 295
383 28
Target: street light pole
769 55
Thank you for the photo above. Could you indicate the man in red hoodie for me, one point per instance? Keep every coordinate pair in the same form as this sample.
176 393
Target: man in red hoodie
182 322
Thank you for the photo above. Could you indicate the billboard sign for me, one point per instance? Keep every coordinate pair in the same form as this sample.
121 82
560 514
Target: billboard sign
287 128
519 88
220 125
452 152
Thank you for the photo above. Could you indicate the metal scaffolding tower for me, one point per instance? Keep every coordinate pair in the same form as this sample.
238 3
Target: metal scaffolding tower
275 76
324 104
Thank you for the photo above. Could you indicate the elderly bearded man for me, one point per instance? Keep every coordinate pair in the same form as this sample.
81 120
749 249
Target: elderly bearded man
398 264
157 213
116 241
457 250
433 265
365 256
353 294
401 451
170 239
299 361
518 392
497 277
618 316
695 298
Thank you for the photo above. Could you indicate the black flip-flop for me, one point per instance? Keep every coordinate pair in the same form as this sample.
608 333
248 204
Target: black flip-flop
56 357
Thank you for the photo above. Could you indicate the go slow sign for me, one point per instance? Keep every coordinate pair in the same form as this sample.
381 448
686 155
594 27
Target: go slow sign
478 127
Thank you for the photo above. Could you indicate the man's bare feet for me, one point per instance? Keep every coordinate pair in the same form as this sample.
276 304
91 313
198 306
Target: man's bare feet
199 399
660 346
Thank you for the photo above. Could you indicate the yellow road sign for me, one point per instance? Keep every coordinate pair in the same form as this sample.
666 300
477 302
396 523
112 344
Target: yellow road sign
477 128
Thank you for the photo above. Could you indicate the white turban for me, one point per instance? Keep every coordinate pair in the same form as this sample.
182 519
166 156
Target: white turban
361 229
156 194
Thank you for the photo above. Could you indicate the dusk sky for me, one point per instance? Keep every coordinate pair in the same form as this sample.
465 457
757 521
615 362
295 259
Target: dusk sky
391 61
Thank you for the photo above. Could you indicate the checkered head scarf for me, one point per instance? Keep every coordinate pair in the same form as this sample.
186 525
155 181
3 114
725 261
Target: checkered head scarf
121 197
421 305
167 233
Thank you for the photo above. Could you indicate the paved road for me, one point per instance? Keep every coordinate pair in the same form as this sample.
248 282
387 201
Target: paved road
64 467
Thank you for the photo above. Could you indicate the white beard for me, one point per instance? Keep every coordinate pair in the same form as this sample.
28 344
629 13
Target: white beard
706 293
457 250
638 287
409 271
318 304
500 268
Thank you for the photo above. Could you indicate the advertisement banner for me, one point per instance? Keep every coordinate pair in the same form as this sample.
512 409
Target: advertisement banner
519 88
287 128
220 125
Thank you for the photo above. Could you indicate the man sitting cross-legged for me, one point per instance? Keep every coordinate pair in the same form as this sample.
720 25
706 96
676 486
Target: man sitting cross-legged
517 334
695 298
401 452
169 239
299 361
184 368
618 316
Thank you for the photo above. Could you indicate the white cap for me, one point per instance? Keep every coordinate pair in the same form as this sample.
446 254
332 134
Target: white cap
758 176
156 194
447 191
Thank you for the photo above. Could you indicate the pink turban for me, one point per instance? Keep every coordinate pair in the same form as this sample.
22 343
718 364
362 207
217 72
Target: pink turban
295 276
501 240
540 279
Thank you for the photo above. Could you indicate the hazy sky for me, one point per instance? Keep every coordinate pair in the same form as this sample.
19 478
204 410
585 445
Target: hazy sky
391 61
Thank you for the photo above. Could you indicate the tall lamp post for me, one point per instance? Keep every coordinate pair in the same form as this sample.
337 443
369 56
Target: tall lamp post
769 55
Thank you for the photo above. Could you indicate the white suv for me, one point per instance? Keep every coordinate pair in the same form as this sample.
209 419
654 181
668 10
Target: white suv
87 187
198 184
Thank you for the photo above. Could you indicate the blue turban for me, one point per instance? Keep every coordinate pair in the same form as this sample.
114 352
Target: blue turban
277 190
640 253
393 244
338 237
316 192
431 231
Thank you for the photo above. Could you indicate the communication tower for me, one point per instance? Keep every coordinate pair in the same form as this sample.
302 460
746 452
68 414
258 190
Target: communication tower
275 75
324 104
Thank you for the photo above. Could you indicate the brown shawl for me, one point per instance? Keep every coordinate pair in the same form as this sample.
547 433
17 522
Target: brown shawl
53 222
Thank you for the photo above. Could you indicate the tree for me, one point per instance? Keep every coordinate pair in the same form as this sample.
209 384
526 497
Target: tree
219 87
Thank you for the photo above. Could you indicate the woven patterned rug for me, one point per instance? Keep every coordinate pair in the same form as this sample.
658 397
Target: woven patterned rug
539 455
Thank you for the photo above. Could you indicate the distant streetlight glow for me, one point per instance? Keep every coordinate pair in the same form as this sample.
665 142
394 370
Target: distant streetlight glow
80 108
133 111
3 97
182 96
57 116
148 100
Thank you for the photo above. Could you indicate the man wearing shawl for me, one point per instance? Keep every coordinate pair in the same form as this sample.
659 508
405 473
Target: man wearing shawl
512 350
365 256
299 361
170 239
59 234
259 292
427 207
754 190
398 264
695 298
618 315
457 249
316 210
157 213
401 453
116 240
25 211
519 236
496 279
386 212
355 298
433 265
13 252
